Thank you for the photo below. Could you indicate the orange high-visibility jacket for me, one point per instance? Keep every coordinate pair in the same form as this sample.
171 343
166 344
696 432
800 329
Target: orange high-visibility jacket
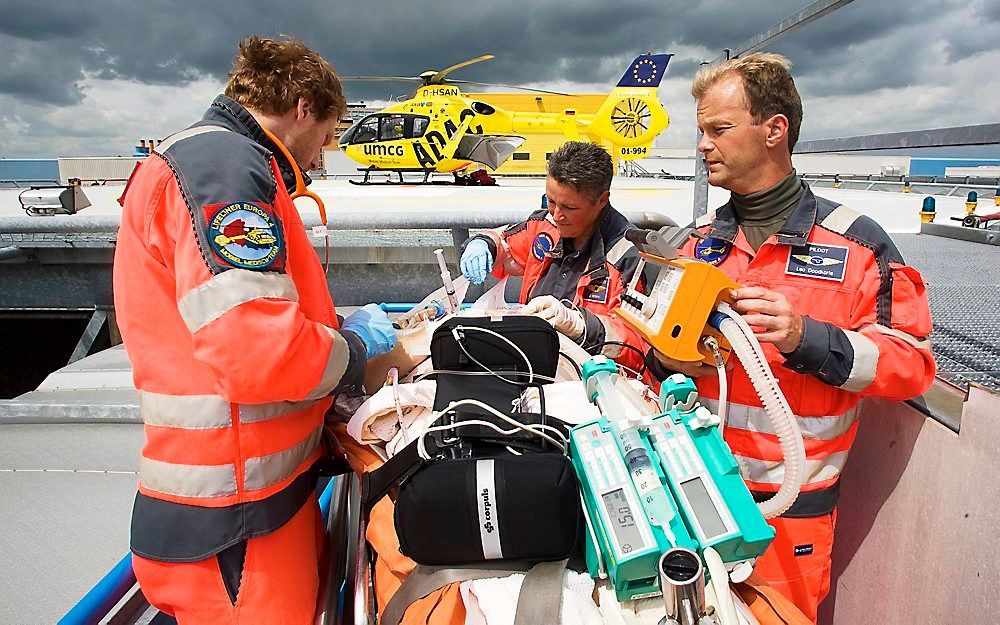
866 326
594 283
233 338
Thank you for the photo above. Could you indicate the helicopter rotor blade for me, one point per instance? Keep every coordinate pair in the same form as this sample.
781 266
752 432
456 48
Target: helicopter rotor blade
373 78
438 77
496 84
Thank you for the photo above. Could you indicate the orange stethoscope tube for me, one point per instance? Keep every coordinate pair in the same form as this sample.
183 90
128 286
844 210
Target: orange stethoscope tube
300 187
302 191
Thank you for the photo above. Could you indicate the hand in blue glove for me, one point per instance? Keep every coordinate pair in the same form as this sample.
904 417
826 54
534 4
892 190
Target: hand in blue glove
476 261
373 327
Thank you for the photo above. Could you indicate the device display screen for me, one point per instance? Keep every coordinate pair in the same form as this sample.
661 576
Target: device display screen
620 513
701 502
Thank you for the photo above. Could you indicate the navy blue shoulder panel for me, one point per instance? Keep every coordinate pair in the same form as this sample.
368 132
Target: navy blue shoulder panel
229 188
865 231
538 215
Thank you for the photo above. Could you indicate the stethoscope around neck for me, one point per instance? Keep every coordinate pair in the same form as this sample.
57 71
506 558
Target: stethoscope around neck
302 191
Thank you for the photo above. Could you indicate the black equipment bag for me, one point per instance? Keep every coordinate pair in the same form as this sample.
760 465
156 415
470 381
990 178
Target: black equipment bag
475 500
475 509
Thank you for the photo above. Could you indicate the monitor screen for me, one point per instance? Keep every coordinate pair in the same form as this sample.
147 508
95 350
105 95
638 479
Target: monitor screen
701 502
620 513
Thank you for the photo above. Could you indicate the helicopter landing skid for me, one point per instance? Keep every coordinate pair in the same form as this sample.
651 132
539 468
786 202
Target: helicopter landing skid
390 181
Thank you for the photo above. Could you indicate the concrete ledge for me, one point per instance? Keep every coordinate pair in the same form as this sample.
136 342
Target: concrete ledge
975 235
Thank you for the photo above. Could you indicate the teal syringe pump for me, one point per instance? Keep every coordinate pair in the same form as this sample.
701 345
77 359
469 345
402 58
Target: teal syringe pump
655 481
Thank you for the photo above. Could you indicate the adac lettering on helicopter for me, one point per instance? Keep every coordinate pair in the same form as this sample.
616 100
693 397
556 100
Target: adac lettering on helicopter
246 235
430 155
826 262
712 251
542 245
380 149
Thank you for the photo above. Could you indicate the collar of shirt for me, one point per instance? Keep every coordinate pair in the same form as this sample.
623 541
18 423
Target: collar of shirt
795 230
231 115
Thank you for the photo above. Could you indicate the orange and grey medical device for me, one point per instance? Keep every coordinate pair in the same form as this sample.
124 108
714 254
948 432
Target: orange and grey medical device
670 299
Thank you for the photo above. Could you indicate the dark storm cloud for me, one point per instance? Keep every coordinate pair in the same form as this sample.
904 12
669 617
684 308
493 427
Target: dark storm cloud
869 46
175 42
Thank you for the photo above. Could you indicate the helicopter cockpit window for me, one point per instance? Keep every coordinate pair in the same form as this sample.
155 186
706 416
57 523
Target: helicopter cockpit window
392 127
367 131
419 127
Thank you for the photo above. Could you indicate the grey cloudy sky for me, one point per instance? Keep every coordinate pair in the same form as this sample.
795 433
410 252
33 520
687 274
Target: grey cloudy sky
90 78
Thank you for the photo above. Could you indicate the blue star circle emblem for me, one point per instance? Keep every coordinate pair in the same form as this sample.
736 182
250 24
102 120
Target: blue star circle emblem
644 71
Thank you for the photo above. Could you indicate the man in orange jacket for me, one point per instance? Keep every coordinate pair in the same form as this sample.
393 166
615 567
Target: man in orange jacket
236 347
839 315
572 255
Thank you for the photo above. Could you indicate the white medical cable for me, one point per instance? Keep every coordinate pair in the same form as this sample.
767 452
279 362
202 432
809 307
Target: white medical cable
723 395
394 382
720 367
425 374
531 370
720 583
533 429
572 306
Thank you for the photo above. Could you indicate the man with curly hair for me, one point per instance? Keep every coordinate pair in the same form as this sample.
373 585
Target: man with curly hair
236 346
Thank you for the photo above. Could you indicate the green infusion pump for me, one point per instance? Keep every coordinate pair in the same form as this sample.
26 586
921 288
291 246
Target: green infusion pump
653 481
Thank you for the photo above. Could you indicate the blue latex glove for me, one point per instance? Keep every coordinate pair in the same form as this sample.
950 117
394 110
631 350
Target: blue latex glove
373 327
476 261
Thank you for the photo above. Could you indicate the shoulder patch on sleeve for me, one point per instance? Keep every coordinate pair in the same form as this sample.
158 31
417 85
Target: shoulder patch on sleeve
229 188
246 235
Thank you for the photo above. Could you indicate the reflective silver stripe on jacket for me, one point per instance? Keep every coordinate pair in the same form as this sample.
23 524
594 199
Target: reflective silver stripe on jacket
269 470
336 364
919 343
610 334
189 412
618 251
188 480
186 134
207 412
865 362
840 219
755 419
254 413
223 292
773 472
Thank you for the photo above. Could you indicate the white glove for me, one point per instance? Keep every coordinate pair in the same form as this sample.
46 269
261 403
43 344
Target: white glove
563 318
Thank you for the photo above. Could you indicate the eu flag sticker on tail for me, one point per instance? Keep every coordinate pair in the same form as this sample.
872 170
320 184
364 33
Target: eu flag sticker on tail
246 235
645 71
825 262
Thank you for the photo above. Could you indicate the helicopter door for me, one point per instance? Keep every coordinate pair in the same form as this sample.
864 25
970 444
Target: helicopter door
367 131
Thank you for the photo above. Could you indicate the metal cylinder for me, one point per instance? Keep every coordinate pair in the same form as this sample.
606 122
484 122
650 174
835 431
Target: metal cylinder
641 237
11 252
682 580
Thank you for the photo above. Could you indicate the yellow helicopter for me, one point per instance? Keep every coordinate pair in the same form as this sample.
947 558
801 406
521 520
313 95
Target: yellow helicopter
441 130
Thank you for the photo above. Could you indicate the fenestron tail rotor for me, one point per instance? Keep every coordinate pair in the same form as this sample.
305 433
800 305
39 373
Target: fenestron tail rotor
630 117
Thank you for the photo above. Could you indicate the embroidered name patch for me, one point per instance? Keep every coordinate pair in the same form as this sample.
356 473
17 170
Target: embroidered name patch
712 251
246 235
826 262
597 291
542 245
